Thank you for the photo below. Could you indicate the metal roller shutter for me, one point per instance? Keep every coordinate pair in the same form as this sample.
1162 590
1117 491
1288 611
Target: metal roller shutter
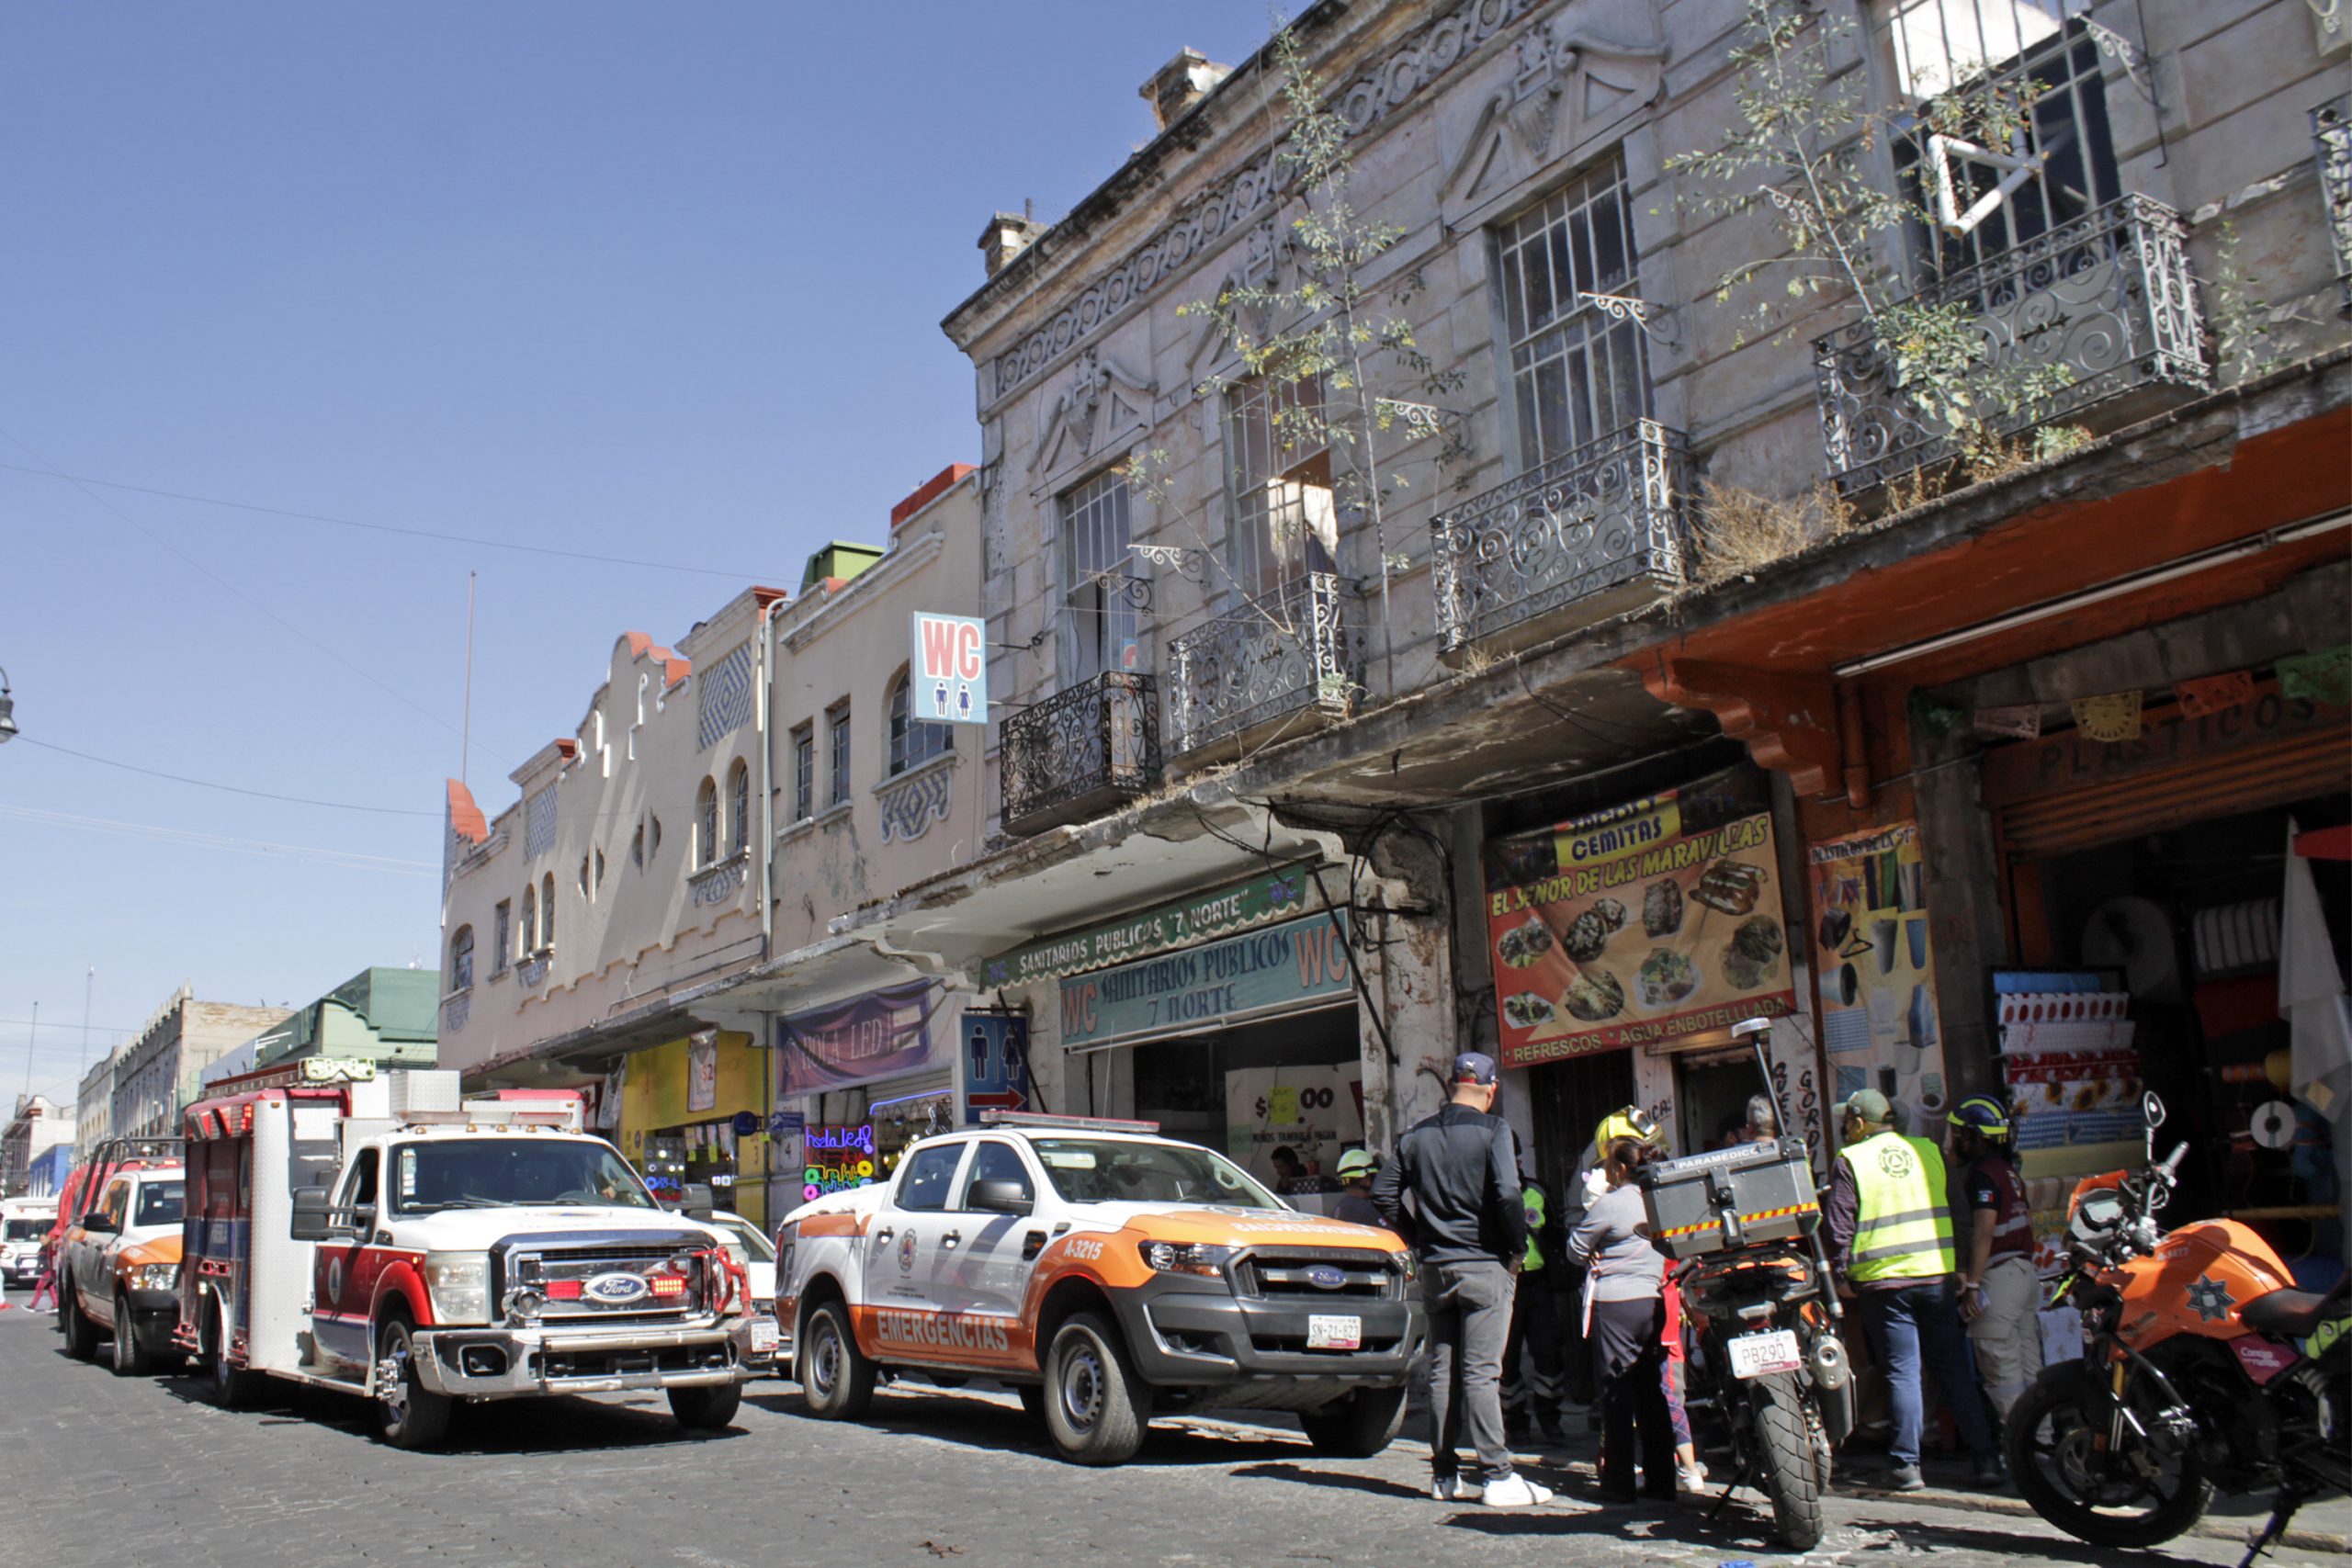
2293 768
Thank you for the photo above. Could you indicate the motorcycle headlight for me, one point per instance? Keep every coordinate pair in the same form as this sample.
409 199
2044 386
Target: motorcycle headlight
1186 1257
155 1277
459 1282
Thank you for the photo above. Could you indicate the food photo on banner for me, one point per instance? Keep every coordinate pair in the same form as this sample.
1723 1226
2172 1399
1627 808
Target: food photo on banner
1649 922
1877 966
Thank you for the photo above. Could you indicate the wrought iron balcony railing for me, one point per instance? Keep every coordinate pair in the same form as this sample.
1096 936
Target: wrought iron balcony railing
1606 515
1287 652
1080 752
2108 299
2331 128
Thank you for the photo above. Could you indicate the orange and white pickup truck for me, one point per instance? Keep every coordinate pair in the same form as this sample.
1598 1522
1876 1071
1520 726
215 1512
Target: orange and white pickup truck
1106 1273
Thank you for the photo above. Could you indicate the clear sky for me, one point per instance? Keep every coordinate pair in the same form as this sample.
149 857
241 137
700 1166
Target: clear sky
653 281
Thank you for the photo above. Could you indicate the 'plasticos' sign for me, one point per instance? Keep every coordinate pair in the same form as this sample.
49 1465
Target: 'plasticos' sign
949 683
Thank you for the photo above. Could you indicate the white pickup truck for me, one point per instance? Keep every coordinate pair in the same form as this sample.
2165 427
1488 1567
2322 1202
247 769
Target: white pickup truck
384 1238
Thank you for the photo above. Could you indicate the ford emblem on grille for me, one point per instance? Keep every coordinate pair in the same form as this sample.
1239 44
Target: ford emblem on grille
617 1290
1323 1277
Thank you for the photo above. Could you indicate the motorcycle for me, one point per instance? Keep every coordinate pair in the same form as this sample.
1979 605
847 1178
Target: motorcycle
1769 1368
2202 1370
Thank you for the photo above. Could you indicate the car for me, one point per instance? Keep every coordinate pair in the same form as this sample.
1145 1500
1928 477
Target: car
117 1270
25 1224
1107 1273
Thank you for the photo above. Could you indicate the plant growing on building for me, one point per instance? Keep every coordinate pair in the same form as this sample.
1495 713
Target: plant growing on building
1802 146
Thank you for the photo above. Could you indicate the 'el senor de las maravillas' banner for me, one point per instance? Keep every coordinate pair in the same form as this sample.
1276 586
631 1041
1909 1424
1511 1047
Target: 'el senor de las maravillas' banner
1653 921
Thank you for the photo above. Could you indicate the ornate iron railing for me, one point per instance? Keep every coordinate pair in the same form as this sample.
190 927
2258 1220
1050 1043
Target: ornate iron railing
1607 512
2108 299
1101 737
2331 128
1284 652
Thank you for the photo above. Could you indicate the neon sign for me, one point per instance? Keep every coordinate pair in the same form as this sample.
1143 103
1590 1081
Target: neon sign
836 1158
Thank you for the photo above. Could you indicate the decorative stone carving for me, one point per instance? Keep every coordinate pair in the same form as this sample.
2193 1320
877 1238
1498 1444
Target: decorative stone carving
910 803
717 884
1575 81
1101 404
725 693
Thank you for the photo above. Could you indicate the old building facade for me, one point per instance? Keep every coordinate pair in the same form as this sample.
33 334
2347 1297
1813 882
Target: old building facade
156 1072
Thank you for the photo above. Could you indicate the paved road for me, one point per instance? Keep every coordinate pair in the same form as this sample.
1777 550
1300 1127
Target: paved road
97 1470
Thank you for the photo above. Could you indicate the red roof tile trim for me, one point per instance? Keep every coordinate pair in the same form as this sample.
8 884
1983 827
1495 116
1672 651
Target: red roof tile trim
929 491
673 669
465 818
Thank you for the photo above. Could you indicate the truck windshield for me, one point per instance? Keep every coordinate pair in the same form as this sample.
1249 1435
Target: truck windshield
159 1204
27 1230
1105 1170
490 1173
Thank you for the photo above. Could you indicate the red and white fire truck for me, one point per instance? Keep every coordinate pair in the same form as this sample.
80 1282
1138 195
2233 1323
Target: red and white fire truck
380 1236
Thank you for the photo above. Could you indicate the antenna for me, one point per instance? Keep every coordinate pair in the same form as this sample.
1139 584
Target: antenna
466 725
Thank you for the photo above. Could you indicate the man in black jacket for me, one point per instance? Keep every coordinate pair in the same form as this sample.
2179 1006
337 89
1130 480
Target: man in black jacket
1470 1232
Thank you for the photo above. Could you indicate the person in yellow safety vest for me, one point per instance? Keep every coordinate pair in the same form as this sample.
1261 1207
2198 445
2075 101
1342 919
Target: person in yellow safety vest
1889 1221
1532 1357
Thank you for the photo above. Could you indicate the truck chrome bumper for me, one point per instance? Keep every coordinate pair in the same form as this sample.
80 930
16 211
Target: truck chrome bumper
508 1363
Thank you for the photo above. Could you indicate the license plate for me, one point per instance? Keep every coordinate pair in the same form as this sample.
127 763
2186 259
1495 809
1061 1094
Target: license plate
765 1336
1334 1333
1761 1355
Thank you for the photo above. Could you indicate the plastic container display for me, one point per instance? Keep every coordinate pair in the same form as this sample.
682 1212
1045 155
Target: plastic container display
1765 1190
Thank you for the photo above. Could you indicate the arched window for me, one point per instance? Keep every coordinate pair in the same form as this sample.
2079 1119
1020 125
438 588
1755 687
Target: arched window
530 919
912 741
547 912
739 801
461 960
706 846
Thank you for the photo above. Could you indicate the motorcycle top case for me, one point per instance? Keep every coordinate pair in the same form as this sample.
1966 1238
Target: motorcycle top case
1767 1186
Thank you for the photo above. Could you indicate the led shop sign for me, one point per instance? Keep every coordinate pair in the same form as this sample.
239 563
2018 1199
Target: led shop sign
950 678
1261 973
836 1158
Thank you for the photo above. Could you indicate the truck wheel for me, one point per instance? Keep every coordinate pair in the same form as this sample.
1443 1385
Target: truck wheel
81 1334
706 1409
230 1387
130 1359
836 1380
1094 1405
408 1415
1357 1427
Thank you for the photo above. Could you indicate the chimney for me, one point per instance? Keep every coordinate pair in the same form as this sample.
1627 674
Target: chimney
1184 81
1007 235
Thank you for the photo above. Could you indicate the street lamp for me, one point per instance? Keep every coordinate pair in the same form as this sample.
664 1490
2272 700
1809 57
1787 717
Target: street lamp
8 707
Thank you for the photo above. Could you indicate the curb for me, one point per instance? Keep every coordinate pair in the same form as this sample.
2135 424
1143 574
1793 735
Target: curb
2238 1534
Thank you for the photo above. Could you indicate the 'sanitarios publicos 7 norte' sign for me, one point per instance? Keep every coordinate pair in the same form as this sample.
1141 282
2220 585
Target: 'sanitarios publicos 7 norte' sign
1651 921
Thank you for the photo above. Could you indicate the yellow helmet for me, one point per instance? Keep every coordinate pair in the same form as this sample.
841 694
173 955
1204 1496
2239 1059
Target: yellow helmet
1632 1123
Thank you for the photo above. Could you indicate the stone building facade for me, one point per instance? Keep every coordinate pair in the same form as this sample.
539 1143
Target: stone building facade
158 1071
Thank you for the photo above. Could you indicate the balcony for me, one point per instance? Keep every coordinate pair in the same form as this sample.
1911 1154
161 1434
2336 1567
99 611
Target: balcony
1587 534
2332 129
1284 656
1081 752
2107 298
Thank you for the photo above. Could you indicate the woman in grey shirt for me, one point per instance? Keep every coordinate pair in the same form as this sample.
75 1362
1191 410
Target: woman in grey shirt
1625 1320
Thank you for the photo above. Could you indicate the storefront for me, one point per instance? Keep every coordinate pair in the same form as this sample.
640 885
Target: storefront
1228 1017
692 1113
859 1080
1624 942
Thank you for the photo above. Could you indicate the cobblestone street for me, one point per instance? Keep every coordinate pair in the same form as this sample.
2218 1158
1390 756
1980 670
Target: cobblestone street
103 1471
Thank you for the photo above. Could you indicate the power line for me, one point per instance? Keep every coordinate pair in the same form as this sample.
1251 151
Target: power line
239 593
383 527
231 789
349 860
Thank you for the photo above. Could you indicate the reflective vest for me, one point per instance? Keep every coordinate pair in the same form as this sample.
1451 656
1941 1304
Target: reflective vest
1531 1197
1902 1216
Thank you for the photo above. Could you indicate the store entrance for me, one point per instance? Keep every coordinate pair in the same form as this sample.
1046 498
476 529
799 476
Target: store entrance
1711 1089
1283 1098
1568 1100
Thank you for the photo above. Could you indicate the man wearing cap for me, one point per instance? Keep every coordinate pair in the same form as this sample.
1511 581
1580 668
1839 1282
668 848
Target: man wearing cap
2000 1297
1890 1234
1470 1233
1355 1204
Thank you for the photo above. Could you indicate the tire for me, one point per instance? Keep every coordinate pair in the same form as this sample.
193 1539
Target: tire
1358 1427
1789 1459
836 1380
708 1408
230 1387
2049 1434
81 1334
408 1416
130 1359
1095 1405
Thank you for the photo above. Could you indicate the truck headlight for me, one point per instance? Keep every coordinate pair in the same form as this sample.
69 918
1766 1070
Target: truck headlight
459 1282
155 1277
1186 1257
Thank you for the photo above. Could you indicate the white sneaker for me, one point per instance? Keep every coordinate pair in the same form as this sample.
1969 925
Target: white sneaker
1454 1489
1692 1478
1515 1491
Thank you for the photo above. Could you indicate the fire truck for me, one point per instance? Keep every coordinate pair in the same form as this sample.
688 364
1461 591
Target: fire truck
382 1236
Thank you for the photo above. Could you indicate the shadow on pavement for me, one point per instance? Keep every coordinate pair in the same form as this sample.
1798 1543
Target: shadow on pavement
1342 1480
976 1421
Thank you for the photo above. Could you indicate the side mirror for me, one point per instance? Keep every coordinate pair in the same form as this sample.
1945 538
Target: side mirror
694 1200
99 1225
2152 1111
999 1198
313 1215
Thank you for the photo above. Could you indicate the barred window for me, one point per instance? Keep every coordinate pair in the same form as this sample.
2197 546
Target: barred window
837 741
913 741
804 772
1099 629
502 936
530 919
739 798
1576 374
705 825
1278 473
461 960
547 910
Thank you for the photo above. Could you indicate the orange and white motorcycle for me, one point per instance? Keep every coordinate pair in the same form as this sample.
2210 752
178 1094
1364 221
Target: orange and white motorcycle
2202 1370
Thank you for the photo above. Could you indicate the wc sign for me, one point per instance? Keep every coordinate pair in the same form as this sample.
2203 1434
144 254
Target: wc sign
950 684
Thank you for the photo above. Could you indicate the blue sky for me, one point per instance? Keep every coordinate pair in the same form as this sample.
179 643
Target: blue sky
652 281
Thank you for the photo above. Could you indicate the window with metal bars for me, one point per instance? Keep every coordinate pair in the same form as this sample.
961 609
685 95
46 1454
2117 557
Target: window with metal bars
837 742
1278 474
1099 610
705 825
913 741
1576 373
1990 192
461 960
738 802
804 772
